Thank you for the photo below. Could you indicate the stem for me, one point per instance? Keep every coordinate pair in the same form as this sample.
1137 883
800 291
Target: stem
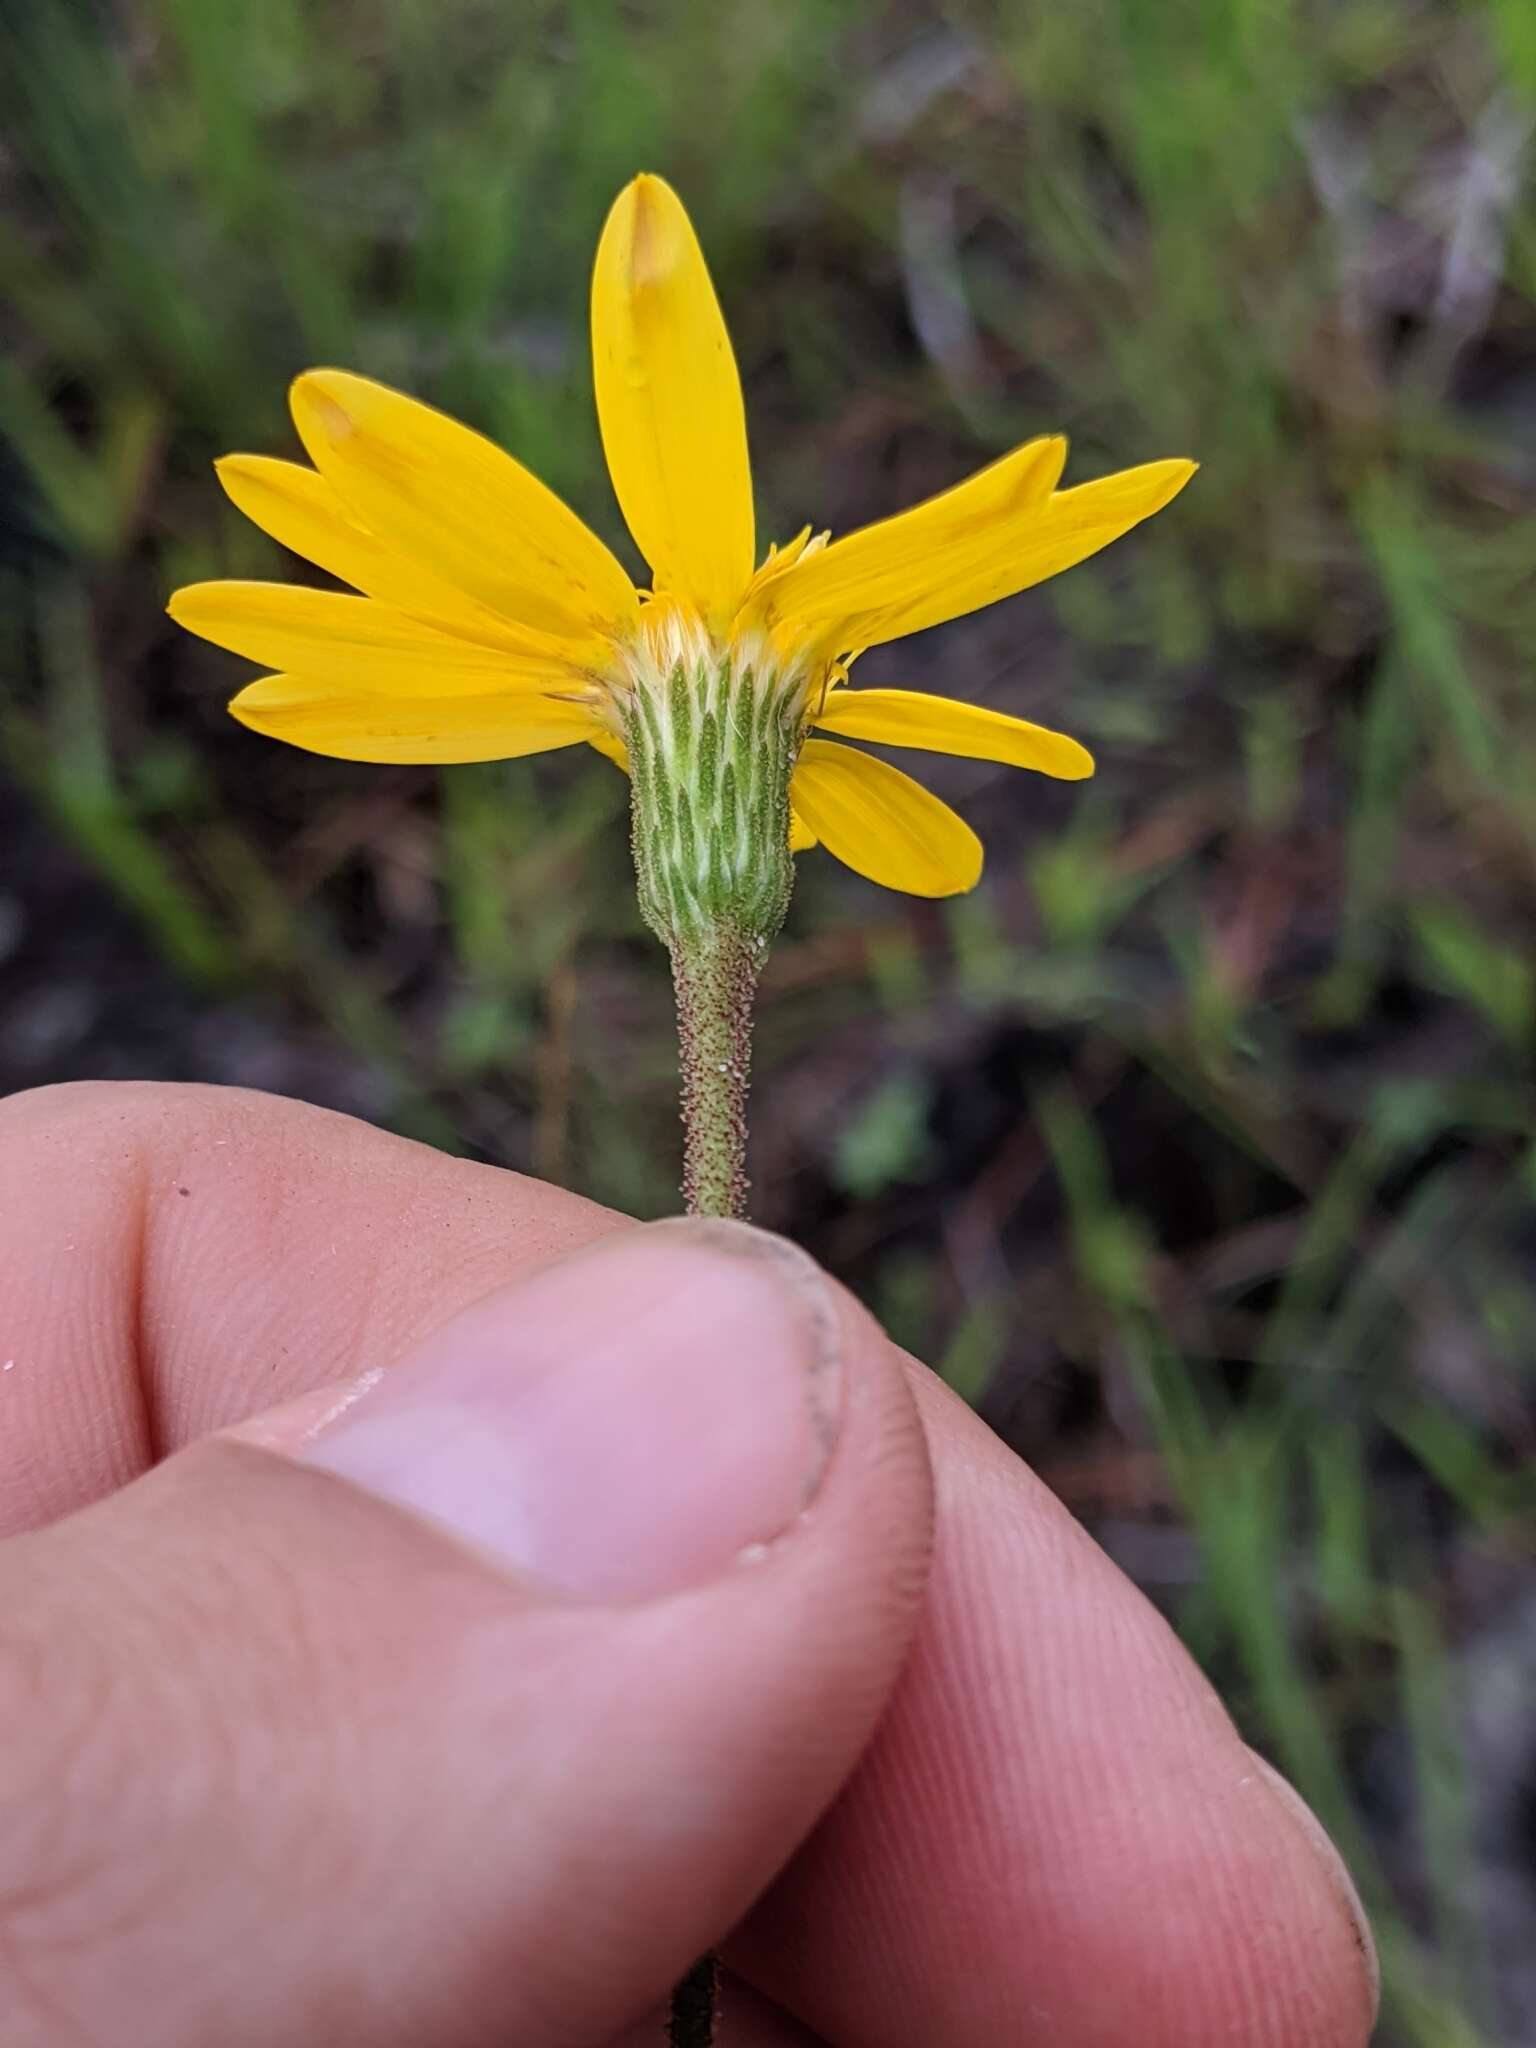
715 976
694 2006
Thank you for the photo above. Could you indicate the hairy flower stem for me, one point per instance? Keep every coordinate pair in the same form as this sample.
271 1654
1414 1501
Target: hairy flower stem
695 2006
711 741
715 976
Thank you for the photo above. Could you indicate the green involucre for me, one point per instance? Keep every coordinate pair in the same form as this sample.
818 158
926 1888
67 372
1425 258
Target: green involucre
711 755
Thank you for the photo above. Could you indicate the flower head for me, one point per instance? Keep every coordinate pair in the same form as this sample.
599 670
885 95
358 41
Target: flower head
492 622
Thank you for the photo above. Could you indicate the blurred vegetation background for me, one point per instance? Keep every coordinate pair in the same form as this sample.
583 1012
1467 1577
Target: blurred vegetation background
1196 1146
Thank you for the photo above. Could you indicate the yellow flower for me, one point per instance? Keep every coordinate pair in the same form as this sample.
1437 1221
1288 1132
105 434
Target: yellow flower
493 623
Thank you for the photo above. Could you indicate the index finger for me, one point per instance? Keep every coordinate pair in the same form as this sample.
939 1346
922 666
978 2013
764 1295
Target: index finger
1057 1836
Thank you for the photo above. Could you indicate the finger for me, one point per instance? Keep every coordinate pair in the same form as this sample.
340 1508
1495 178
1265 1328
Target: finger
173 1259
1057 1835
1046 1715
479 1715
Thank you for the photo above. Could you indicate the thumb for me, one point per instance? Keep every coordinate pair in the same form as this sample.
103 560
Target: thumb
477 1709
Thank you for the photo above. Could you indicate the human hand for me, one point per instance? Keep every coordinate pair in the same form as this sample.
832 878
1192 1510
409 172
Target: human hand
438 1707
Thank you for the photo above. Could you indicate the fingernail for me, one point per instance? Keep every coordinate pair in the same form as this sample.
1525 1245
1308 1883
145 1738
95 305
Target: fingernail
1338 1873
623 1423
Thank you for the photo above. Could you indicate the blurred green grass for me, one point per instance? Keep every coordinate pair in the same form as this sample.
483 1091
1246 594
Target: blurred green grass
1197 1145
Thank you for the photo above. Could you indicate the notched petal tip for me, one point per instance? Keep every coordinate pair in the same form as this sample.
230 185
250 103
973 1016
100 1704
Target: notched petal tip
1000 532
1053 452
877 577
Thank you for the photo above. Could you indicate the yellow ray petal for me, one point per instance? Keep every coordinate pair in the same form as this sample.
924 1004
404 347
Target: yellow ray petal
940 725
299 508
996 560
801 837
883 824
355 725
354 641
864 571
445 497
669 401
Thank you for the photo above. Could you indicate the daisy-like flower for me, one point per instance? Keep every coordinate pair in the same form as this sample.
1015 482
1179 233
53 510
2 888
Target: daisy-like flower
492 622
